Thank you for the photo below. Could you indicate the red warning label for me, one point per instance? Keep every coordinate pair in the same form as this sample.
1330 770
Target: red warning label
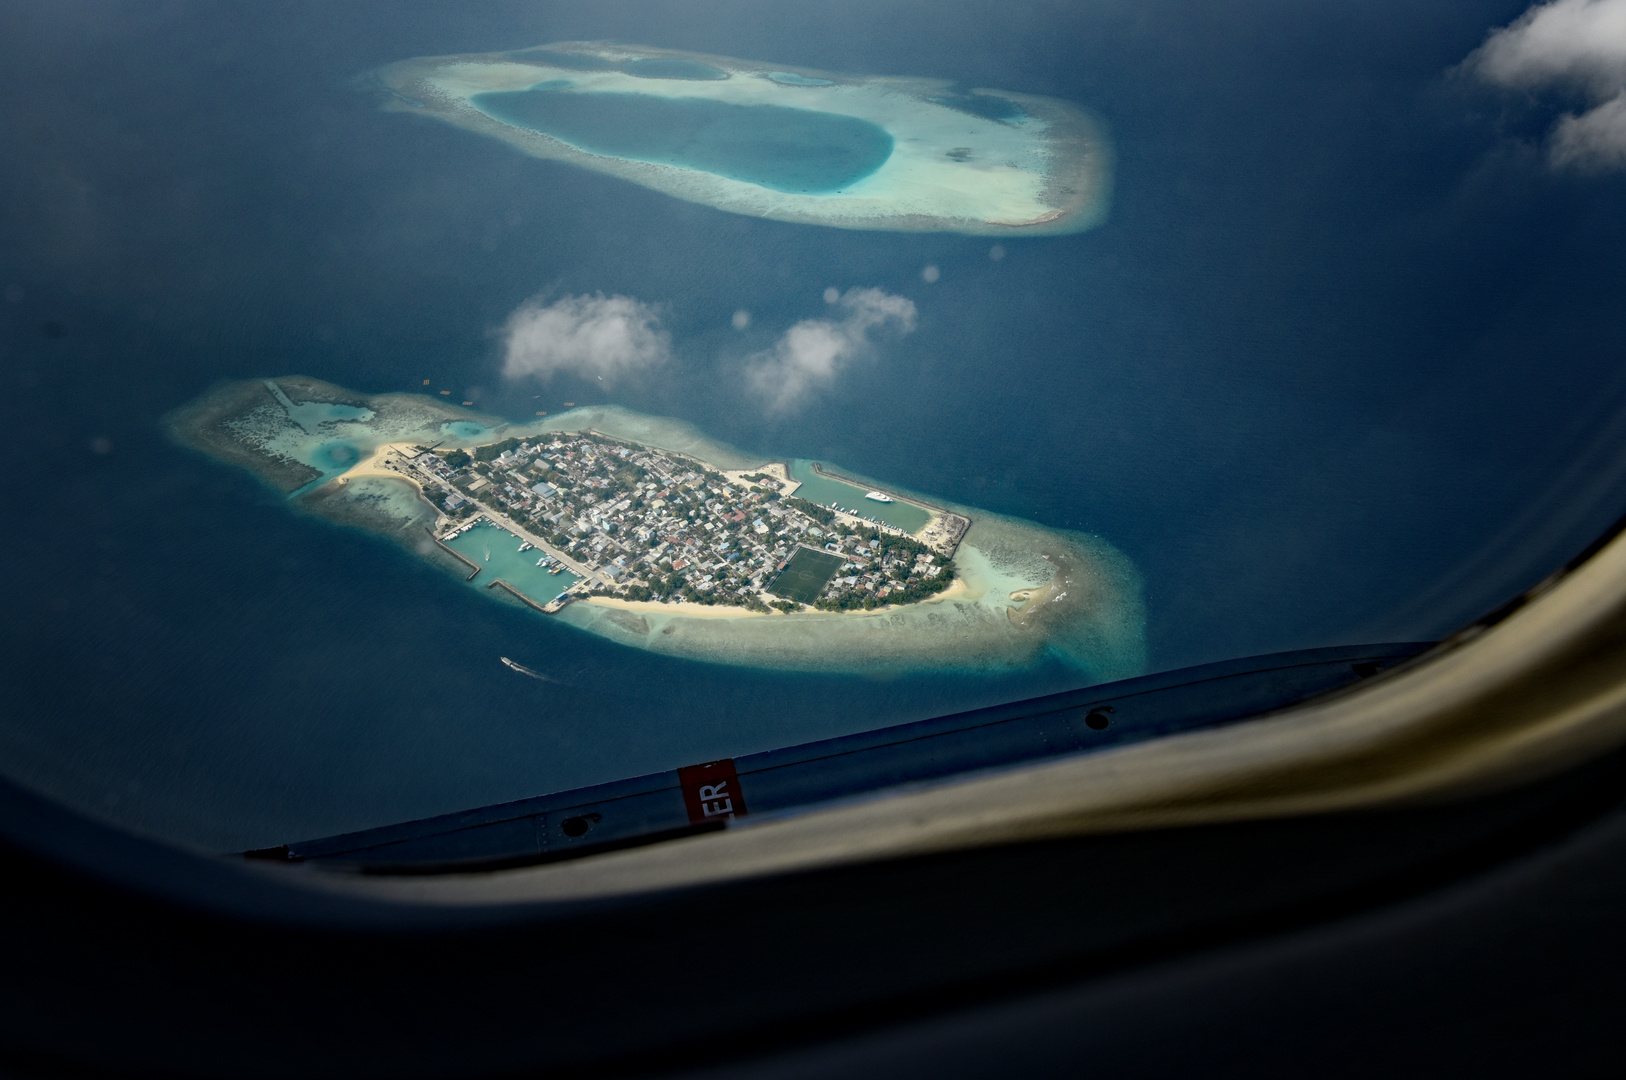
711 790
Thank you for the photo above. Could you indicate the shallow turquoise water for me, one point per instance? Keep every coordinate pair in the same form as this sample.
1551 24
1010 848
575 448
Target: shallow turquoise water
332 458
507 562
791 150
336 457
464 429
573 61
310 414
653 67
666 67
824 491
788 78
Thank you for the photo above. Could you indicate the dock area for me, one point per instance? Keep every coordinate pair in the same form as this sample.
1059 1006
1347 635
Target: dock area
944 531
474 567
552 606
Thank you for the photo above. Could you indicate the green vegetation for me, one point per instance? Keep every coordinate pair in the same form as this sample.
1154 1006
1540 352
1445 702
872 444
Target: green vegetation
494 451
916 590
822 514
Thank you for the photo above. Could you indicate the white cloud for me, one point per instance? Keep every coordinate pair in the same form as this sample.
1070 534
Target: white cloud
1575 44
1576 41
1593 140
812 353
598 336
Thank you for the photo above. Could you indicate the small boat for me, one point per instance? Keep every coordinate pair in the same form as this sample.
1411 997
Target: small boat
878 496
527 546
488 554
523 670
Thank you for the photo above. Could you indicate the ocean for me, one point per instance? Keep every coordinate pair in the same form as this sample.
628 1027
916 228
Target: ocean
1341 365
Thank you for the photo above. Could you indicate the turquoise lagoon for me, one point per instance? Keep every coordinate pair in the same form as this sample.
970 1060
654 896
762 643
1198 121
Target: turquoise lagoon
331 459
772 146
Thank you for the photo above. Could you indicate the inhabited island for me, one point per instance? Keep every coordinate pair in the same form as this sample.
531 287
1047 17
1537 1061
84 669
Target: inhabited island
791 144
644 531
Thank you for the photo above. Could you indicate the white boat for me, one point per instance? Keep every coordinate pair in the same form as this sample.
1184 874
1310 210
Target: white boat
523 670
878 496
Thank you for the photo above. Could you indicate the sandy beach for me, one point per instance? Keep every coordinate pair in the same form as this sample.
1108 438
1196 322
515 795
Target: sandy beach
374 466
725 611
680 607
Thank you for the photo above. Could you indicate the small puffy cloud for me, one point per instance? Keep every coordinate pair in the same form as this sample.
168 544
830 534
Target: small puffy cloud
1577 45
812 353
598 336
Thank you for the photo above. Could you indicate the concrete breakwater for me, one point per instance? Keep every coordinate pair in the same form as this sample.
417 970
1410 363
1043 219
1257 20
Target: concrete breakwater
943 530
544 608
474 567
838 478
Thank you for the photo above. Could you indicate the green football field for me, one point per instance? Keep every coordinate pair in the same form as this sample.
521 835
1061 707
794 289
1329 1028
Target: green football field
806 575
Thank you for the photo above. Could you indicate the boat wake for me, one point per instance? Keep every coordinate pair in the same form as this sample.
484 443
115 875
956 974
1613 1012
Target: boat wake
523 670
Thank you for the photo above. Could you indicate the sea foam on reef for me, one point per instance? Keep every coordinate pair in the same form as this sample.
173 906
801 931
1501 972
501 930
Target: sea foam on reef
1025 594
875 152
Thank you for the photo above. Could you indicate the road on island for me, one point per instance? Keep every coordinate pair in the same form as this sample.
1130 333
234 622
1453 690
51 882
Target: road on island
588 577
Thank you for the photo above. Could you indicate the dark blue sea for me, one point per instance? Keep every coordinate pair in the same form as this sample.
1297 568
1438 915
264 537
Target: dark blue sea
1343 364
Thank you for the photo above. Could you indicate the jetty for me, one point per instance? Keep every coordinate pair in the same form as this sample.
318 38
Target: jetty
521 596
474 567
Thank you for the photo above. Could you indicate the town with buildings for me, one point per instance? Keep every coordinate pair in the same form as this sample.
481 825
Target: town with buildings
639 524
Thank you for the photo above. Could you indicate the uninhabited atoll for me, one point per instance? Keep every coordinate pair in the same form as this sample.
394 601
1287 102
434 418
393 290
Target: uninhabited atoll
791 144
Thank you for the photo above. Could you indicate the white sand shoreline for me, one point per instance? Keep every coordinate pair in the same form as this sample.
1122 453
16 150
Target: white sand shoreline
684 608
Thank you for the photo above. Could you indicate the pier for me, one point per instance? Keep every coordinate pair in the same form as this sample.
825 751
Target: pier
911 500
546 609
503 521
474 567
